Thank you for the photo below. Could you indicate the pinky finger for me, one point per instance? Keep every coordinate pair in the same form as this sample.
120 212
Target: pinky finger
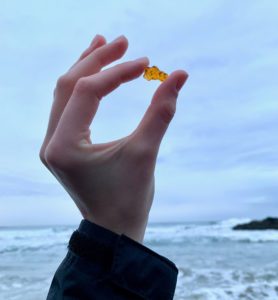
97 42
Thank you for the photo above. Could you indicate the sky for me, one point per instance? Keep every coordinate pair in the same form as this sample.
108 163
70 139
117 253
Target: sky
218 159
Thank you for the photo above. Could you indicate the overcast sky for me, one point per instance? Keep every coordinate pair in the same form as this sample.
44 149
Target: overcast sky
218 158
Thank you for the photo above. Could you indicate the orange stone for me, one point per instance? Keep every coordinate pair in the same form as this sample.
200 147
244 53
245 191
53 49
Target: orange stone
153 73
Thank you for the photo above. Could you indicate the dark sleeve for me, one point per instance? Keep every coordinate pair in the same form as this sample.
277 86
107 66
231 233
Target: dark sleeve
101 264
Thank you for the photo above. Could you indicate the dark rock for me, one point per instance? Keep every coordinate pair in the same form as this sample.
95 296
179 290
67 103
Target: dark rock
268 223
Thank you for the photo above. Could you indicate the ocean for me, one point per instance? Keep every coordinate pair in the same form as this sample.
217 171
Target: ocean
215 262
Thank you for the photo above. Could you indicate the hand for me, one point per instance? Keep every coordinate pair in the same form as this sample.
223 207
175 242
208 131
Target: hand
111 183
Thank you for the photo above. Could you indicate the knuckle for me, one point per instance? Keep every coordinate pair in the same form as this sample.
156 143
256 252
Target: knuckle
99 58
54 155
42 156
65 82
167 111
84 85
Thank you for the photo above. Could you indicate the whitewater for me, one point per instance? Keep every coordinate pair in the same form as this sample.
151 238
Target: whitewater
215 262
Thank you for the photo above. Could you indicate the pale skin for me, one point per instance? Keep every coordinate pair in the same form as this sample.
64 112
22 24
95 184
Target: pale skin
111 183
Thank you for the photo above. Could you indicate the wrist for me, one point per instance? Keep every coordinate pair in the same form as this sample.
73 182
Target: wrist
134 229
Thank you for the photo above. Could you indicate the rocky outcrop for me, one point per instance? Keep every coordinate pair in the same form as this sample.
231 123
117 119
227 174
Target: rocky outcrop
268 223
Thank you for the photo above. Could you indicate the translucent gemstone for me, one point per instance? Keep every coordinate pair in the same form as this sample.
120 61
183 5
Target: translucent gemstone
153 73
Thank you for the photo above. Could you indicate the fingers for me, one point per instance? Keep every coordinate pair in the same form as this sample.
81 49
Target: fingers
83 104
95 60
97 42
91 61
159 114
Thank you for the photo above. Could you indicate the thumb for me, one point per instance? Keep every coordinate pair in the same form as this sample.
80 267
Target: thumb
161 111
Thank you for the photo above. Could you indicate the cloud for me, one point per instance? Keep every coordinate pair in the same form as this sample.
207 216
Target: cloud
15 185
221 147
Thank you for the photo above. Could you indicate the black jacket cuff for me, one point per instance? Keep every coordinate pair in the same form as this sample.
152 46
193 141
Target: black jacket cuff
130 265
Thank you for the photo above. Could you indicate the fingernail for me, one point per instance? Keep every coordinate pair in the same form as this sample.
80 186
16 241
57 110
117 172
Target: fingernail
181 81
118 38
144 60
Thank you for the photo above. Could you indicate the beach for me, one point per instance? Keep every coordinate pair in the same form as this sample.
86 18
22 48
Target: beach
214 261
